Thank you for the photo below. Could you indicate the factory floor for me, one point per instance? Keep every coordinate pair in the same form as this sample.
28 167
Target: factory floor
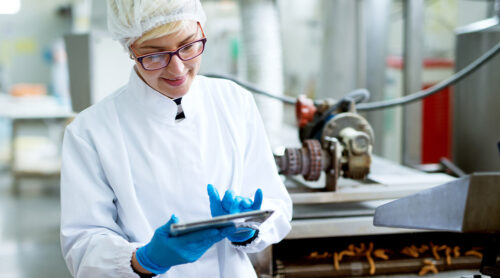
29 232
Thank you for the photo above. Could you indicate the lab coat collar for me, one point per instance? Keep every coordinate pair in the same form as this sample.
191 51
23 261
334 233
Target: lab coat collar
160 106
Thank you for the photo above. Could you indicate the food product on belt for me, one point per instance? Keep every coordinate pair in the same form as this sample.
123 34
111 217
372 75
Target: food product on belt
448 257
380 253
434 249
423 248
412 252
316 255
369 258
346 253
359 250
350 247
474 253
428 266
336 261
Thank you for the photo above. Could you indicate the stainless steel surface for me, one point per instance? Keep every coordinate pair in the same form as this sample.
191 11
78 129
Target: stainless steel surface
78 49
361 193
335 227
335 219
469 204
477 27
477 101
308 211
387 180
412 79
349 210
97 66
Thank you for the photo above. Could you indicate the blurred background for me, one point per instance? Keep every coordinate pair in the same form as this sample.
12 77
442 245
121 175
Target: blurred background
56 59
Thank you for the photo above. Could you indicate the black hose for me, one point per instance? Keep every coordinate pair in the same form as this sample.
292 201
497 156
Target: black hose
356 96
434 89
285 99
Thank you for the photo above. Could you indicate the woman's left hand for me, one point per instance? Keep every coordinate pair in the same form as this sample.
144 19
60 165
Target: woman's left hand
232 204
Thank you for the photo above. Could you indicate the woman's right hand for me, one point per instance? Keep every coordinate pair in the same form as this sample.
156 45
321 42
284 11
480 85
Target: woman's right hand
165 251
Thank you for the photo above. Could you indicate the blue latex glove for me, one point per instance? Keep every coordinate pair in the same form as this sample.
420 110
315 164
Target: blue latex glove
232 204
164 251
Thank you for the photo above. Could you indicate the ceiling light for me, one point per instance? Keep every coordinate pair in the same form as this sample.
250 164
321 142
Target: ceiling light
10 6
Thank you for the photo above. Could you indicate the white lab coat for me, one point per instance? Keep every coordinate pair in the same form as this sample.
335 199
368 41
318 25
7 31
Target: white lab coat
128 166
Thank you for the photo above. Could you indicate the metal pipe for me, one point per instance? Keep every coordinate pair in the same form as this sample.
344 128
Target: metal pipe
339 54
412 79
263 51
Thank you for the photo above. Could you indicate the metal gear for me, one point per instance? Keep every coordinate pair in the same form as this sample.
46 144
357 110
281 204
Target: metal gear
306 161
292 157
313 148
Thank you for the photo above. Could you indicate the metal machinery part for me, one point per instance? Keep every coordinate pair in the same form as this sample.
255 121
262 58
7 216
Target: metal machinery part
307 161
356 138
467 205
344 149
473 152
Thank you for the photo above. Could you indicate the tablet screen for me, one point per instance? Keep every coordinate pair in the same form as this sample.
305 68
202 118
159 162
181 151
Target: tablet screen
251 219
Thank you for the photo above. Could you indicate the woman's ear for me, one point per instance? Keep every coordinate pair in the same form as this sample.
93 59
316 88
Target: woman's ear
131 53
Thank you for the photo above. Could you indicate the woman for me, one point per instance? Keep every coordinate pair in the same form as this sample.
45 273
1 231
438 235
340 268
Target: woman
154 148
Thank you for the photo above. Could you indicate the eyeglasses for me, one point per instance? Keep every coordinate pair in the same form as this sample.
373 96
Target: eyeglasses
159 60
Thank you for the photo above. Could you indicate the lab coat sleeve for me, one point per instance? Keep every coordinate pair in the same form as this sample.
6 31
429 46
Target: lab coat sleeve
93 244
260 172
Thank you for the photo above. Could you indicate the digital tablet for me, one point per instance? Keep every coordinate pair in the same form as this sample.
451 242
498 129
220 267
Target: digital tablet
251 219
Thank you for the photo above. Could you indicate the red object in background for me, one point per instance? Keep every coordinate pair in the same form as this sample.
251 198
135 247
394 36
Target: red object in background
436 109
436 125
304 110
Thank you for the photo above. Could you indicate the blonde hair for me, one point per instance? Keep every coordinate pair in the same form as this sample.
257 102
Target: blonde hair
163 30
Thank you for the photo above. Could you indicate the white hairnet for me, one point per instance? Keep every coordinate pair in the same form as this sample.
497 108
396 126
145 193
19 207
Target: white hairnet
128 20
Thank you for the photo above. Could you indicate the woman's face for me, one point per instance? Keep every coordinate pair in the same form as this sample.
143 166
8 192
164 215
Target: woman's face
174 80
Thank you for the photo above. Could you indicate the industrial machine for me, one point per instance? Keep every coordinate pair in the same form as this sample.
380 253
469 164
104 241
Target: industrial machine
336 184
479 92
332 232
336 217
335 139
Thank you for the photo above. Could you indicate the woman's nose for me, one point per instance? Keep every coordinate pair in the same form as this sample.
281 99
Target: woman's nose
176 65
